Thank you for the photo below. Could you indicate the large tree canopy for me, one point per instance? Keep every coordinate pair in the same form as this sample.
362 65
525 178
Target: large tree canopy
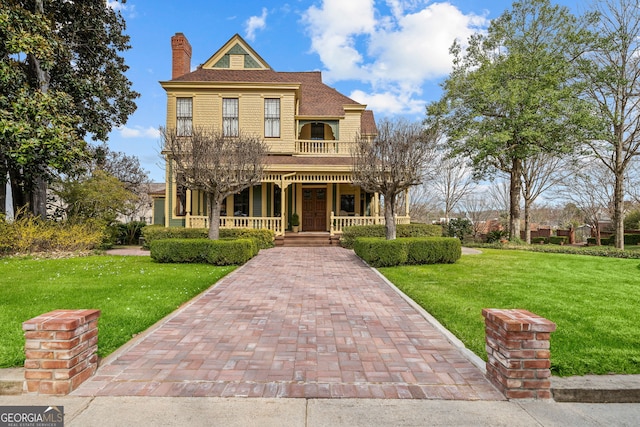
61 80
512 94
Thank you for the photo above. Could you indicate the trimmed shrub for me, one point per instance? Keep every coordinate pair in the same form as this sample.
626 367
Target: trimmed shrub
216 252
350 234
264 238
158 232
558 240
433 250
538 240
379 252
632 239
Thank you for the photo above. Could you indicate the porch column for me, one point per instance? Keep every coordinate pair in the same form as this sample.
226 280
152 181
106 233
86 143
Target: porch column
283 206
406 202
187 209
376 206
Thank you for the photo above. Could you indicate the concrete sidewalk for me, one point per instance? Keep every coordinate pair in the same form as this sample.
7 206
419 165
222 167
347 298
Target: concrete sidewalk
110 411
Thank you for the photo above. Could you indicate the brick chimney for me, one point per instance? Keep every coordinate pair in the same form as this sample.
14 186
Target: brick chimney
181 56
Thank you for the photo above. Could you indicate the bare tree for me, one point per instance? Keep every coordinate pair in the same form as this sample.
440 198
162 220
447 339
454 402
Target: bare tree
613 86
590 187
478 209
216 164
424 204
500 196
395 160
452 182
539 173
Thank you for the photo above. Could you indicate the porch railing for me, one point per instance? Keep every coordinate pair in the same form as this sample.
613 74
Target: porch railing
339 222
319 146
269 223
275 223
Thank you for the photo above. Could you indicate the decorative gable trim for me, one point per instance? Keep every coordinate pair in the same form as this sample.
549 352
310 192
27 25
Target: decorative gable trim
236 46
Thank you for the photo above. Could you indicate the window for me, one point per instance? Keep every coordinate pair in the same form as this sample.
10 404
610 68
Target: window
272 118
241 203
317 130
184 116
230 116
347 203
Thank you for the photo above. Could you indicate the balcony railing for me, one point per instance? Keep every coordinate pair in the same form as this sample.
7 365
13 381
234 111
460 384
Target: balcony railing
323 147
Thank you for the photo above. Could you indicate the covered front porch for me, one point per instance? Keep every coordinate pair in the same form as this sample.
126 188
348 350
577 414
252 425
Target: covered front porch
324 202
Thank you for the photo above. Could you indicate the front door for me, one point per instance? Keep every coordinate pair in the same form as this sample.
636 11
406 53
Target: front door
314 209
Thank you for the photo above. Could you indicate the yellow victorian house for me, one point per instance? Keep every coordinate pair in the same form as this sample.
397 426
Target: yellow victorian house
308 126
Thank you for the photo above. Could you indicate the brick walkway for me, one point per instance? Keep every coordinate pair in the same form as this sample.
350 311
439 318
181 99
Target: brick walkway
295 322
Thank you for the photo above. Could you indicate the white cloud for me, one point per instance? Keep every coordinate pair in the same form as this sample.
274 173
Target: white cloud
121 7
389 103
394 51
139 132
256 23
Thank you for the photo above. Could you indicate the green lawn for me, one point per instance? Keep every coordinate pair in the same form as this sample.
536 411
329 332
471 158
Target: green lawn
595 302
132 292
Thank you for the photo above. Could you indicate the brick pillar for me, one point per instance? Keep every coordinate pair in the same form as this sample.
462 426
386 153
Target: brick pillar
60 350
180 56
518 353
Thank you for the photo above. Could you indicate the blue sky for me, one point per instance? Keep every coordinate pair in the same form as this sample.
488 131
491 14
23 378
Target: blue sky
388 54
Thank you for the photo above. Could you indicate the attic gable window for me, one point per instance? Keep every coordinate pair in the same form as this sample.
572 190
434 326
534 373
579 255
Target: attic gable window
230 116
272 118
184 116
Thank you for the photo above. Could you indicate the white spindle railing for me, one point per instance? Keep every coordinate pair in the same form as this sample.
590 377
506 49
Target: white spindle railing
339 222
269 223
322 147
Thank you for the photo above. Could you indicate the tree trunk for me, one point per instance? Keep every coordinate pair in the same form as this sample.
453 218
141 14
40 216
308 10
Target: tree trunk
38 193
618 210
515 190
38 198
527 221
389 219
3 198
214 217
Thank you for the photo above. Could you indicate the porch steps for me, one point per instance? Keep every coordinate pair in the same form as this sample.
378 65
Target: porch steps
307 239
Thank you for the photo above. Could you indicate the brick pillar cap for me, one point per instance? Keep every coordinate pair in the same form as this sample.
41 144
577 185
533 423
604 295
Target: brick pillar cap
518 320
60 320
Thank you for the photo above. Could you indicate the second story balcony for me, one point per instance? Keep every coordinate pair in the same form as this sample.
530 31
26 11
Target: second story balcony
323 147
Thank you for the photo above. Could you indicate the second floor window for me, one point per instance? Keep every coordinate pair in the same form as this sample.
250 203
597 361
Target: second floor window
184 116
230 117
272 118
317 131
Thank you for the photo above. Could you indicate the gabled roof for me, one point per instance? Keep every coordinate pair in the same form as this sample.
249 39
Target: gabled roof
236 46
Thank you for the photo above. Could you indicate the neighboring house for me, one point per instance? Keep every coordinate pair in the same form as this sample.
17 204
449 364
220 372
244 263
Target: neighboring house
308 126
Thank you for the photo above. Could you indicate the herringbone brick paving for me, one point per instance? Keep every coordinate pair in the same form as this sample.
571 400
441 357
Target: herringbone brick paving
295 322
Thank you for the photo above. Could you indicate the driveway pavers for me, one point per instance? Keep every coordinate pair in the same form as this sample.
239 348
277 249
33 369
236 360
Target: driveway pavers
294 322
